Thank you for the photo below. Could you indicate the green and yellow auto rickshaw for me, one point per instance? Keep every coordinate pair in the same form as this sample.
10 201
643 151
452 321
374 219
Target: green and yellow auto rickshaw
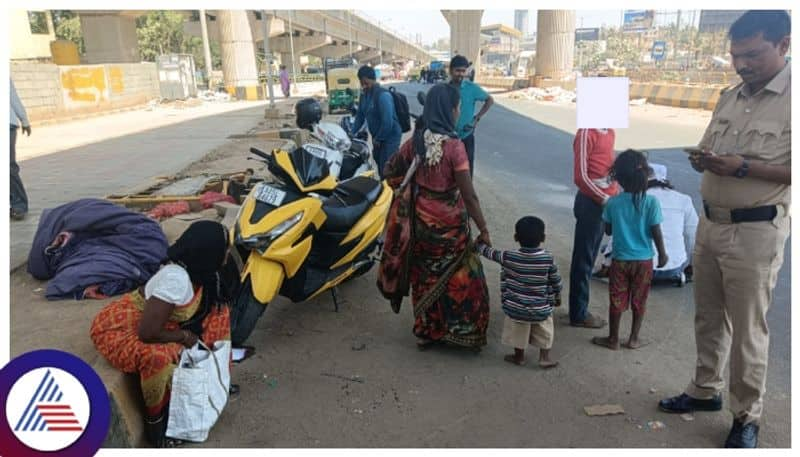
343 88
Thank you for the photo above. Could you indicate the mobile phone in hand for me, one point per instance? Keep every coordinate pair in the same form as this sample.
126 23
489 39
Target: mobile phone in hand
698 151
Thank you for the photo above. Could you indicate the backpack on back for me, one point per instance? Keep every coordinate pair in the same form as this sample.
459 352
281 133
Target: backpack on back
400 108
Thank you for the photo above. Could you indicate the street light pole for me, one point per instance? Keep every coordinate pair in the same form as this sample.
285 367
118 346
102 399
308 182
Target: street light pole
268 59
206 47
291 46
350 32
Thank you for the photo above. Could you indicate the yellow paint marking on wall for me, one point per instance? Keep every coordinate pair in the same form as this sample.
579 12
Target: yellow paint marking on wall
84 84
115 80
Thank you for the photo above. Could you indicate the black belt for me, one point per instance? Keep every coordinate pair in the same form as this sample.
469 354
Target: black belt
757 214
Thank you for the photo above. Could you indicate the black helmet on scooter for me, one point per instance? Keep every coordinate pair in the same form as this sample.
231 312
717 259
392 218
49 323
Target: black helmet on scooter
308 112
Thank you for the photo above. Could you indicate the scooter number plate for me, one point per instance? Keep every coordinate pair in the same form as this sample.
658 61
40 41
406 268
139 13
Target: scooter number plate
270 195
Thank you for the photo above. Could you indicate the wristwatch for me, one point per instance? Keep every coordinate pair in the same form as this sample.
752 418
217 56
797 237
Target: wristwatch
741 172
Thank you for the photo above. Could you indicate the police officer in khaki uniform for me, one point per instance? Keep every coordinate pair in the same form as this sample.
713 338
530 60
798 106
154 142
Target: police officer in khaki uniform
745 158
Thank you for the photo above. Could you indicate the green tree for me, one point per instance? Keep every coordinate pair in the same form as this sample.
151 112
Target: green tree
159 32
68 27
623 50
194 45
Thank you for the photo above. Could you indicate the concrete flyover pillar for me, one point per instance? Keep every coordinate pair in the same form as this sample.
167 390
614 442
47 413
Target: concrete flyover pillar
109 37
555 43
465 34
239 70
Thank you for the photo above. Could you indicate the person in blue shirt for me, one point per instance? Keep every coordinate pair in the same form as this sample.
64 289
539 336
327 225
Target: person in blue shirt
470 94
376 108
634 218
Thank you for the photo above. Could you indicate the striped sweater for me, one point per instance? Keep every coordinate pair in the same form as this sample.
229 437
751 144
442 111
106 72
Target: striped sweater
529 282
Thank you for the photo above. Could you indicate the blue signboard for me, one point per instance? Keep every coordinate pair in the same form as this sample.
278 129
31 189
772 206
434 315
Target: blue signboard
638 20
659 50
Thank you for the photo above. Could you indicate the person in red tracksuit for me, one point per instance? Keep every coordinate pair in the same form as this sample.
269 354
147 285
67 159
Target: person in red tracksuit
594 155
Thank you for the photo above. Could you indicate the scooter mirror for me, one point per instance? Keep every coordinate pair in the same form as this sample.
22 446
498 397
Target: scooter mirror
421 97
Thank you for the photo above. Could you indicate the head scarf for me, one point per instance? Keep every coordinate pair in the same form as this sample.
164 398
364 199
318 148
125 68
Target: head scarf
201 251
437 123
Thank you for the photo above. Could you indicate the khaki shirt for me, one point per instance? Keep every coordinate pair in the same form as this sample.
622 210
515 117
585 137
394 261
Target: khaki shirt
756 126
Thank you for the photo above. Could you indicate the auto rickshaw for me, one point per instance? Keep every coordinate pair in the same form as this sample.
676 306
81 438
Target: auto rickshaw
414 74
343 88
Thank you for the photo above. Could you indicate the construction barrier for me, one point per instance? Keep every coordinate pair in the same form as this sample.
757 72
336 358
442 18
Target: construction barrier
301 78
678 95
503 82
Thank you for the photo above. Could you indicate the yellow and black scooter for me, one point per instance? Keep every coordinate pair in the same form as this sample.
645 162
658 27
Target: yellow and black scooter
305 231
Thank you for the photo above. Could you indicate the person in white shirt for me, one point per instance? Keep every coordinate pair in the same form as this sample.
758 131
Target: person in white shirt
18 118
678 228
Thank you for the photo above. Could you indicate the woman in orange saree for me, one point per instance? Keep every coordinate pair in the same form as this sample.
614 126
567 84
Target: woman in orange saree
145 331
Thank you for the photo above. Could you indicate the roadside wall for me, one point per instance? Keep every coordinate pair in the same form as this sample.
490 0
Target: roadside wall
50 91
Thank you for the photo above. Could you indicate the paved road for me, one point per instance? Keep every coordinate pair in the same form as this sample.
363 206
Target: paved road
528 147
355 379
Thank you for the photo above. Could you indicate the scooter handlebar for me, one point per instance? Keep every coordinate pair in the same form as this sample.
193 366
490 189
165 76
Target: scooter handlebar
260 153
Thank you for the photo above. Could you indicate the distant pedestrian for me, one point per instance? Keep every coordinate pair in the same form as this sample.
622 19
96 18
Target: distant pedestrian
285 83
634 217
422 74
376 108
18 118
530 287
470 94
594 155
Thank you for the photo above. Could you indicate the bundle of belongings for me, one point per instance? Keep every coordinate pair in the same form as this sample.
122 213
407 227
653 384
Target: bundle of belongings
92 248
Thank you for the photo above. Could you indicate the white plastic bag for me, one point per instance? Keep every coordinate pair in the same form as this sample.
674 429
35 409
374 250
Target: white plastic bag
200 386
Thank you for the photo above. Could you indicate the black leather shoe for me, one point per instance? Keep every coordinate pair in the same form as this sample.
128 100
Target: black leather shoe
743 435
683 403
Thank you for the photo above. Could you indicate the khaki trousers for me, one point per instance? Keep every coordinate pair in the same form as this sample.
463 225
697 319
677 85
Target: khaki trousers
735 270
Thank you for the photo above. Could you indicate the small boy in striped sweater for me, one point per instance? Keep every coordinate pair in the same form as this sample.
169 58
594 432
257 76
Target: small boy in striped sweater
530 287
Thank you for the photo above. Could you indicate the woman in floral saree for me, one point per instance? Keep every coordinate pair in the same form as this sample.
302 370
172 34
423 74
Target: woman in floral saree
428 245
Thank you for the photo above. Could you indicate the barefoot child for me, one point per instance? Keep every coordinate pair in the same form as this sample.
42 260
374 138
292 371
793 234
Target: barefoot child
530 287
634 218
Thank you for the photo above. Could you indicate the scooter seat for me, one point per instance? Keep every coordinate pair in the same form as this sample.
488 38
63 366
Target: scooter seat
348 202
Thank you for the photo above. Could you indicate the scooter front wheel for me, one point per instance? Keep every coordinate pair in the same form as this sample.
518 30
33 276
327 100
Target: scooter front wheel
245 312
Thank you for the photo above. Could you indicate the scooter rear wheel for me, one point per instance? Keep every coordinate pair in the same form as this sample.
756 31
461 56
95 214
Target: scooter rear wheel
245 312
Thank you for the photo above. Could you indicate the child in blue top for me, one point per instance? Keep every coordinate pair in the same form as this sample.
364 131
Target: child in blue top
635 220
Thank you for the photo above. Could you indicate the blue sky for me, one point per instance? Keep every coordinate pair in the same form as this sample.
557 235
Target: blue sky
432 26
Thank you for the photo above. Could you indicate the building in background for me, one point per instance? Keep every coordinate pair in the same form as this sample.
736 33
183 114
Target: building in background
503 47
718 20
30 34
521 22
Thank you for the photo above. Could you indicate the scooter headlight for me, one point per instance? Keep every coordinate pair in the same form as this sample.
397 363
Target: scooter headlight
262 241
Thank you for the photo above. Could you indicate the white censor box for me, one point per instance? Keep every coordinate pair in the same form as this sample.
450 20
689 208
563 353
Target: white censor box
602 103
